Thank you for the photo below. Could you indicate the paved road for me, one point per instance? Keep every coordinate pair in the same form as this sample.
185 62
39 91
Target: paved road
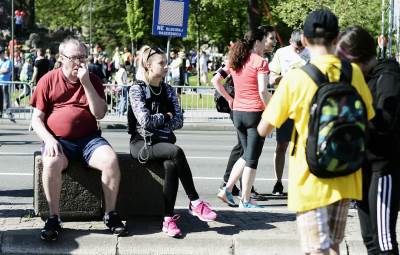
207 153
271 230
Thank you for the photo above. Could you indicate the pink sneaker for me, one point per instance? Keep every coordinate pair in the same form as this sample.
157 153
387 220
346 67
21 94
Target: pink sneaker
170 227
202 211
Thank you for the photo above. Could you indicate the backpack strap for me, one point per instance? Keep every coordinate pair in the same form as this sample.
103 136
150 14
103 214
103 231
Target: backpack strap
319 78
346 71
315 74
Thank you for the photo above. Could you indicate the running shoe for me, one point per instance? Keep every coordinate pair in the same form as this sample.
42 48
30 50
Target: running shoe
170 227
51 229
202 211
227 197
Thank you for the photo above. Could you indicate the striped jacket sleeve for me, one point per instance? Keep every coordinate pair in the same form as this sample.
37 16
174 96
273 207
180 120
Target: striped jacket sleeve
137 97
177 121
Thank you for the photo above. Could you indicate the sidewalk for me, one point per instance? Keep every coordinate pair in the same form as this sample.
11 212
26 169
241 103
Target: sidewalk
271 230
239 232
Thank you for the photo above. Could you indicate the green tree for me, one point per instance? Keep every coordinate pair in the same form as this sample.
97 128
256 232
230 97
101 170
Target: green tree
219 22
135 21
55 14
349 12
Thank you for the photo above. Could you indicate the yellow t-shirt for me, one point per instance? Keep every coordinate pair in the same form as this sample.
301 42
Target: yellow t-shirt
292 100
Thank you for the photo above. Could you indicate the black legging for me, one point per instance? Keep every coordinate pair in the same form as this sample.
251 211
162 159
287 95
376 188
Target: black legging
4 97
246 125
236 153
378 212
176 168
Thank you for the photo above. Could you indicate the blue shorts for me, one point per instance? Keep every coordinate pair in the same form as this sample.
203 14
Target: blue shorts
82 148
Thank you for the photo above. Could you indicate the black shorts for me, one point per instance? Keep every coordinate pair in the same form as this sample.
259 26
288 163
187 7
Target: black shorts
284 133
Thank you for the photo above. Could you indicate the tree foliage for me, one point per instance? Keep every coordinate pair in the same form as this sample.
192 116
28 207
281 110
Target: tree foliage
215 22
349 12
135 20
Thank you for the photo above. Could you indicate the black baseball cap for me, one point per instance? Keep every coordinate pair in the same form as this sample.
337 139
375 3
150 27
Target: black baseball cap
323 19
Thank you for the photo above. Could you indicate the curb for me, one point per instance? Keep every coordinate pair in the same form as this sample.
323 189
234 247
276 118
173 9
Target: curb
122 127
97 243
231 234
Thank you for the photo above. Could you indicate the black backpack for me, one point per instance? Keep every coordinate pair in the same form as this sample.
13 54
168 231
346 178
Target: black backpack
336 142
220 102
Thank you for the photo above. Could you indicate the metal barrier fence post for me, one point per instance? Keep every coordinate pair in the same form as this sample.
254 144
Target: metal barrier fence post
16 96
197 102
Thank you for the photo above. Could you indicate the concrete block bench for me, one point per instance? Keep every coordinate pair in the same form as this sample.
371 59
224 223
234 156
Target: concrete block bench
140 191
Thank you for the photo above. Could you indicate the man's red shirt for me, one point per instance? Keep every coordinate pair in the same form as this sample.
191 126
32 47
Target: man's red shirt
65 105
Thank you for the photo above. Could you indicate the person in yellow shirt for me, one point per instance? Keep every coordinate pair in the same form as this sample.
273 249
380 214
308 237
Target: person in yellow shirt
321 204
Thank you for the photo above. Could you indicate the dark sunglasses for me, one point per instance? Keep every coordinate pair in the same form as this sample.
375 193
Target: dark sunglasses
153 51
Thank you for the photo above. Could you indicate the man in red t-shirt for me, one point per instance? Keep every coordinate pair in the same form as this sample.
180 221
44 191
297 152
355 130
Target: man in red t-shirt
67 103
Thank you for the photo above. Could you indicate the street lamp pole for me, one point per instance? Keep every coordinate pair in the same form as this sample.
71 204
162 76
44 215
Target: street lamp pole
382 55
390 29
12 40
90 26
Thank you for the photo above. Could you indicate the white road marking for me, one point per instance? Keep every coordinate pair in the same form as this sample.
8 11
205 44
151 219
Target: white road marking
194 177
16 174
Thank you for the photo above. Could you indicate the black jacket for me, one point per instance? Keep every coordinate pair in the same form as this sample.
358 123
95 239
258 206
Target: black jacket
384 145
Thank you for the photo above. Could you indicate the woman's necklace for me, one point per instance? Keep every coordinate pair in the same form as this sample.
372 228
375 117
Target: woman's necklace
152 91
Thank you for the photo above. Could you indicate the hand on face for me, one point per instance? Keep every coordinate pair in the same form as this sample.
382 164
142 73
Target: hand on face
83 74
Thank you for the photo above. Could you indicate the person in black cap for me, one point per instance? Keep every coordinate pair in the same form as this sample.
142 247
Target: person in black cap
321 204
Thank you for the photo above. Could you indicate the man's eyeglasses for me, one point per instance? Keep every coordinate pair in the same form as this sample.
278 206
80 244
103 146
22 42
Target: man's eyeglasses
76 59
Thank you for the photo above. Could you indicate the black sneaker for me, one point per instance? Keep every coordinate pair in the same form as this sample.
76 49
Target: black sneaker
114 224
235 191
278 189
257 196
51 229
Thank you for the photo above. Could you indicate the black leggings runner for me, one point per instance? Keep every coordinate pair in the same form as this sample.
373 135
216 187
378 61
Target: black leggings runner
176 168
378 212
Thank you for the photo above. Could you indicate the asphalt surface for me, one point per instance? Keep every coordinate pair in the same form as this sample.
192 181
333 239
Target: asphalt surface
270 230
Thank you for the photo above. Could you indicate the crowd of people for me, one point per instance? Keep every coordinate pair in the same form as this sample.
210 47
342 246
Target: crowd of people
325 173
116 69
69 100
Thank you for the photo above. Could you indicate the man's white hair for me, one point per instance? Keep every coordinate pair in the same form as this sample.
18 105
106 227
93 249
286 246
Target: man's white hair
71 41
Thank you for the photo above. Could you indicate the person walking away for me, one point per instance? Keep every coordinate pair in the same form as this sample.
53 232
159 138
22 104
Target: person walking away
176 66
321 204
203 62
5 76
25 76
40 67
249 71
237 150
286 58
121 78
153 116
378 209
67 103
95 69
52 59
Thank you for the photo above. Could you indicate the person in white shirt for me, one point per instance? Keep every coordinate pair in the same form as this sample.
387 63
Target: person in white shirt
203 68
121 78
286 58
